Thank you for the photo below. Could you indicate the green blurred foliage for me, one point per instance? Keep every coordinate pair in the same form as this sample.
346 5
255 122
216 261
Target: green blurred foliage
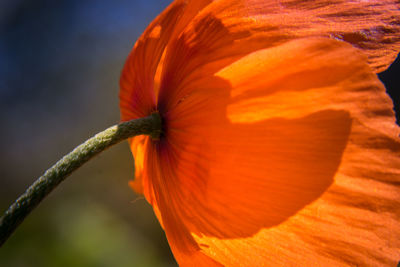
79 233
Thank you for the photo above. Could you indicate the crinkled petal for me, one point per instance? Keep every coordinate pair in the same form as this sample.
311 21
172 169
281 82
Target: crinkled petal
372 26
227 28
287 156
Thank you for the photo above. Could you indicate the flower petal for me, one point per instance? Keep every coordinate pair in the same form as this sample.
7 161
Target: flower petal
372 26
289 155
137 145
138 85
224 29
137 97
227 28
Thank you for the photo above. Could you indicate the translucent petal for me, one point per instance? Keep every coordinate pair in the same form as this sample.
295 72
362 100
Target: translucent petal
288 155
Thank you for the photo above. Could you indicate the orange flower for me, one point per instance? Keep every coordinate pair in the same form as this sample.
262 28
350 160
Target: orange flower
279 143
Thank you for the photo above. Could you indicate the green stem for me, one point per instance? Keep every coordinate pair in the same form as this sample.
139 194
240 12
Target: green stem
17 212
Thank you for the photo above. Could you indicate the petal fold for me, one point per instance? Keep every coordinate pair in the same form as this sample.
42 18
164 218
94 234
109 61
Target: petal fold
227 28
138 85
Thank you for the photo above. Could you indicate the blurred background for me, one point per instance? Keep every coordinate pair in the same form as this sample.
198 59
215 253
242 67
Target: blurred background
60 63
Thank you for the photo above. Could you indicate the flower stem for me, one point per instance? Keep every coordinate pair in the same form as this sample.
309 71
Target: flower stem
17 212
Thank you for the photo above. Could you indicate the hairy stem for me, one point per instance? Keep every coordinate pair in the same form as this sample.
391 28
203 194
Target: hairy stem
17 212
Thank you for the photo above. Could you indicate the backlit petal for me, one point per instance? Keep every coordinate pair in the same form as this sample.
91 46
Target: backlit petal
139 80
279 147
137 97
370 25
227 28
289 155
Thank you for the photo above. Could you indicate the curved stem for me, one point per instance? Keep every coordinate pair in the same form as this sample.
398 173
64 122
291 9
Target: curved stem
17 212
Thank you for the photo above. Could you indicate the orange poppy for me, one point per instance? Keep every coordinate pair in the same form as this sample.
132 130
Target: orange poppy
279 143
